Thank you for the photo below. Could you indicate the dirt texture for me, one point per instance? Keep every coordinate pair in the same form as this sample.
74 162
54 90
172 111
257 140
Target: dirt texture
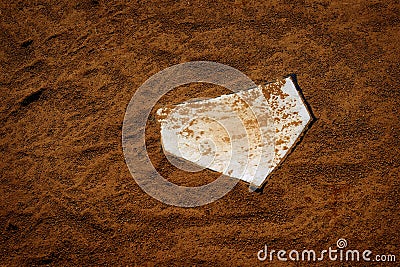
69 69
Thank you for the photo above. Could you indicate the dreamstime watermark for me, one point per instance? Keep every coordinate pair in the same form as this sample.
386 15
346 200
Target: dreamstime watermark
133 131
338 253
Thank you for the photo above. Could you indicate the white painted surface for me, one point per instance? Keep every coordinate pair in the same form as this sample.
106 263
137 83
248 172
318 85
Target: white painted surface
243 135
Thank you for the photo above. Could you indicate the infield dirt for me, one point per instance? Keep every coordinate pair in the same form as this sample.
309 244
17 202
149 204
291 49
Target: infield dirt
68 71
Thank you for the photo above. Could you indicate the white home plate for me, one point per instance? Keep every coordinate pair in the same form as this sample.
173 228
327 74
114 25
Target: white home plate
244 135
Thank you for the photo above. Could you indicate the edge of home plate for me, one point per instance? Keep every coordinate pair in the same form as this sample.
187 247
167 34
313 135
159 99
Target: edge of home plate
235 134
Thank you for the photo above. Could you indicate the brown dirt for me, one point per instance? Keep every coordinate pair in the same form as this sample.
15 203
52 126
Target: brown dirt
69 70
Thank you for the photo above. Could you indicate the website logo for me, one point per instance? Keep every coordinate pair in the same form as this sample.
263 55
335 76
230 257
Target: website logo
338 253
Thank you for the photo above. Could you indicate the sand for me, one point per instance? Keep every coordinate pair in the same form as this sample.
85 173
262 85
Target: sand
69 70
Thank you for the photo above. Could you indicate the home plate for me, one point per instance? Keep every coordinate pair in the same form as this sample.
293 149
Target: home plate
244 135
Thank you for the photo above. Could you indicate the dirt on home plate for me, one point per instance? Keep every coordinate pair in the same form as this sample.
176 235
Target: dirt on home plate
68 71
